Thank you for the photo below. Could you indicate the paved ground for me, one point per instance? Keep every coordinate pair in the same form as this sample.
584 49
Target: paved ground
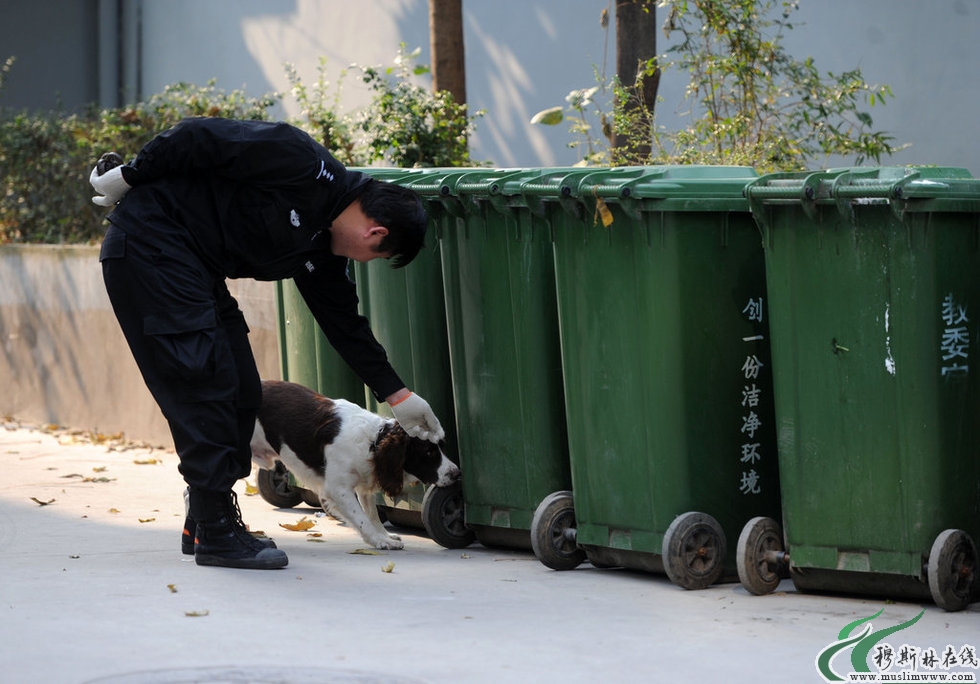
93 589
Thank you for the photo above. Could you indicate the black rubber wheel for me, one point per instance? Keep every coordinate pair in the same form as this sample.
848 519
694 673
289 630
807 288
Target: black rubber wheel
276 488
311 498
759 537
694 550
442 517
553 532
952 569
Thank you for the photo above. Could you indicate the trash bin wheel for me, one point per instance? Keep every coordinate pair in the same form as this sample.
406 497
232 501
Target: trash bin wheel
311 498
275 487
759 545
952 569
553 532
694 550
442 517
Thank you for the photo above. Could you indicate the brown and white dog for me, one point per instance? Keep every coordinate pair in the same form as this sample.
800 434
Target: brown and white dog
344 453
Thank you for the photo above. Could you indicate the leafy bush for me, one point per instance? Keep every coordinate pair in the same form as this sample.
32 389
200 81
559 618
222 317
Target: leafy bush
322 116
46 158
751 103
408 125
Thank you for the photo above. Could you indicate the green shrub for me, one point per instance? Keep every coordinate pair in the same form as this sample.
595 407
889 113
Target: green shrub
322 116
408 125
46 158
750 102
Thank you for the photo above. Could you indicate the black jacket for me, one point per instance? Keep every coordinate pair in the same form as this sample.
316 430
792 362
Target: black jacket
256 199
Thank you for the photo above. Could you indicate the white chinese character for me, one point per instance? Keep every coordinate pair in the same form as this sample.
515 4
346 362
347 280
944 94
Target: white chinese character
750 453
751 367
750 424
953 313
753 310
750 483
955 342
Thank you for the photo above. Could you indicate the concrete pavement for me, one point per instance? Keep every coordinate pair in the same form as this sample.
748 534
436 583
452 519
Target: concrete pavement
93 588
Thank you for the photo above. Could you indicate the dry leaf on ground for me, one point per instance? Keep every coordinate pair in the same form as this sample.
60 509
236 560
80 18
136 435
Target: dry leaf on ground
301 525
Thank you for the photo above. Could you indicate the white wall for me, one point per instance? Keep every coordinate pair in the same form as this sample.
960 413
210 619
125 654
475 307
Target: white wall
525 55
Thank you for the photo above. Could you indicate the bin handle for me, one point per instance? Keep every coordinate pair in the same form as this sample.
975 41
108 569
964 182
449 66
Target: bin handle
534 189
804 187
431 189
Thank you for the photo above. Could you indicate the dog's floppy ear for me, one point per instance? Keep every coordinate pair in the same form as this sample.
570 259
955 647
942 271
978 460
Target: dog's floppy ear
389 460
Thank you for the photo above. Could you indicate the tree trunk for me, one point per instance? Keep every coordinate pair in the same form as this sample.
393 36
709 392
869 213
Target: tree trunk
446 45
636 44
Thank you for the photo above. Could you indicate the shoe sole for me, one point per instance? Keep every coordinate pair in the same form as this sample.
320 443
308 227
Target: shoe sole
268 563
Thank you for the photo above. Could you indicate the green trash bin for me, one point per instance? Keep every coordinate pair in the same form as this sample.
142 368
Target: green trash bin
874 299
305 355
407 313
665 355
499 284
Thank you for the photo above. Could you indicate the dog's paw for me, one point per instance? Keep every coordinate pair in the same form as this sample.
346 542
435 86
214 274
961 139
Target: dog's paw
391 543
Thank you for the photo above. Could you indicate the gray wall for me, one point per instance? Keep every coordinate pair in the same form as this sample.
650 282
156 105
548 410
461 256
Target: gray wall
64 358
55 45
522 56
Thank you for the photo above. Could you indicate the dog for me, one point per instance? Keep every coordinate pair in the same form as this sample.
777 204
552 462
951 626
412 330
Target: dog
344 453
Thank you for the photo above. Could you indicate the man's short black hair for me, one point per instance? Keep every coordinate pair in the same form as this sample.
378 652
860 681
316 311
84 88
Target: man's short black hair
400 210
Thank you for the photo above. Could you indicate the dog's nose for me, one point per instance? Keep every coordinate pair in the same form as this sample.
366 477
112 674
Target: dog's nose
451 475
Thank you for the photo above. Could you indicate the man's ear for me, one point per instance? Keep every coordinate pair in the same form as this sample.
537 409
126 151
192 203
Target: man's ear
377 230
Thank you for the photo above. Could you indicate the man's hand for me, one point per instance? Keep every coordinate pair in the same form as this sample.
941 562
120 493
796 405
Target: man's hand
108 181
415 415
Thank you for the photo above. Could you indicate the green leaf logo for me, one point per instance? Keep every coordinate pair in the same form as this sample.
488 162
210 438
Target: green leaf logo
862 644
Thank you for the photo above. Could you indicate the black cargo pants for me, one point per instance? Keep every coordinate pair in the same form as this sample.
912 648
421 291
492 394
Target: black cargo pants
190 341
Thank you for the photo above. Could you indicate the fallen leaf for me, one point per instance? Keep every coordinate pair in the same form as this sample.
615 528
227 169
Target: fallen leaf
602 211
74 557
172 588
321 541
250 489
70 475
388 567
301 525
99 469
146 520
98 479
315 534
197 613
147 461
41 503
113 510
365 552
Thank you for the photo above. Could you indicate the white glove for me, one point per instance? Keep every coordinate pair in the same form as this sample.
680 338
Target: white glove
110 185
415 415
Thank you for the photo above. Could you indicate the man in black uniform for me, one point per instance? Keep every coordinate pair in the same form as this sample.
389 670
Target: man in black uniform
212 199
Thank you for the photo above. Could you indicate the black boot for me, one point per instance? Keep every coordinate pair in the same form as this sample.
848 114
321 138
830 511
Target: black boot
222 538
190 529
